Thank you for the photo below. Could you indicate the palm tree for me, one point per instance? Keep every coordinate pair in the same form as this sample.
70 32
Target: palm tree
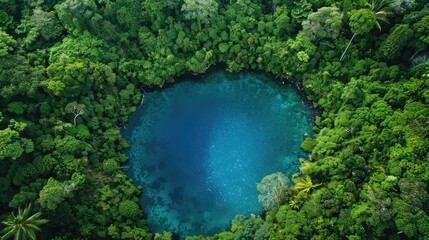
400 6
380 10
22 226
294 204
305 184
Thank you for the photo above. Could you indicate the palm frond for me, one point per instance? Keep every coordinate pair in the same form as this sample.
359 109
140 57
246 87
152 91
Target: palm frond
26 211
18 234
32 226
8 234
377 24
34 216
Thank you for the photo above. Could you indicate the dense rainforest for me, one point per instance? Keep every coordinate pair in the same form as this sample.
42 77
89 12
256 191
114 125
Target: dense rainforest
72 71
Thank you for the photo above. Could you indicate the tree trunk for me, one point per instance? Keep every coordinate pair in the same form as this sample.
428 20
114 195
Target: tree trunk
348 45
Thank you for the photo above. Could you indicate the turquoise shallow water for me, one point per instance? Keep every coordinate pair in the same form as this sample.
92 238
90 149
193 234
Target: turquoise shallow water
199 147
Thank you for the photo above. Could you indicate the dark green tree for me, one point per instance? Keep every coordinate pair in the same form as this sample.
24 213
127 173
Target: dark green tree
396 41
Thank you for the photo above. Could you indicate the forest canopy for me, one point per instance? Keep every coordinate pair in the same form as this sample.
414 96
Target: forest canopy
72 72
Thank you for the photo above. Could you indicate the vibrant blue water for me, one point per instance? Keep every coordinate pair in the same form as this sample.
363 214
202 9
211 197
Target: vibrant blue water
199 148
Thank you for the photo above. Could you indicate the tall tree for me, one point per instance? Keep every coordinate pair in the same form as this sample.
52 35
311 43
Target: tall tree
363 20
79 15
201 10
52 194
272 189
323 24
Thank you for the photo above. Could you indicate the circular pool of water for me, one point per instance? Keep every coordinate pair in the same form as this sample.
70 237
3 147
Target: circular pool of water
199 147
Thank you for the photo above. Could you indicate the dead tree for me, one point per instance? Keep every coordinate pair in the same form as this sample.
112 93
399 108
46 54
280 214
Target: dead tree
77 112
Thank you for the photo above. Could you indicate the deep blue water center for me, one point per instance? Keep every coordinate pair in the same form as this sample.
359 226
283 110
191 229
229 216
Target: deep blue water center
199 147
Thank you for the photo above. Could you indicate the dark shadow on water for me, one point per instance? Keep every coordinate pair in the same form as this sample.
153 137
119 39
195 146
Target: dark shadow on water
159 182
177 194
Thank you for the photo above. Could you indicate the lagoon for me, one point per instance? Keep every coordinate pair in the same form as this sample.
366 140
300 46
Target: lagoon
199 147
